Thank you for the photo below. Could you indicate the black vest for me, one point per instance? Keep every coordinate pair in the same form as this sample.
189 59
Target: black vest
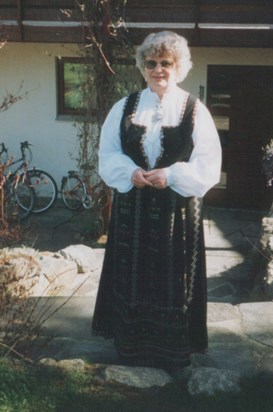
177 144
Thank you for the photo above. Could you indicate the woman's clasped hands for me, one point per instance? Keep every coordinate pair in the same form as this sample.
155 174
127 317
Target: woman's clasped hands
154 178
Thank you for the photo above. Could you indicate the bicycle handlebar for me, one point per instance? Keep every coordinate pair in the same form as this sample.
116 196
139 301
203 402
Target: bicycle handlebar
25 145
3 149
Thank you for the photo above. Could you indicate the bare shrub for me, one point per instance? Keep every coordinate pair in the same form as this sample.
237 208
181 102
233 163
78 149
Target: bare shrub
19 273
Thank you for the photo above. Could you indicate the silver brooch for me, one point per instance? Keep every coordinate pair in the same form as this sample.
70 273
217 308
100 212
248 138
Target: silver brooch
158 115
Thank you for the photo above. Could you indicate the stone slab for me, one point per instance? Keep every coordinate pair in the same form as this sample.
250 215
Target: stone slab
138 377
257 321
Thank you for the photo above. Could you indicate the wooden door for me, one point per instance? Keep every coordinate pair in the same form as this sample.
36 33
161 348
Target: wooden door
245 109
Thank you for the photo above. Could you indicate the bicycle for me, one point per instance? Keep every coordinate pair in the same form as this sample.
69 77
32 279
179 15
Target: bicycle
44 185
15 191
77 192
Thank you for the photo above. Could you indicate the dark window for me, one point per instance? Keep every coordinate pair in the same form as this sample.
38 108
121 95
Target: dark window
70 71
219 104
70 83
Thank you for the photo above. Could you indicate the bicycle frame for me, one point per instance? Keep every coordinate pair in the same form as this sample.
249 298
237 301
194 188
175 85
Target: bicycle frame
12 200
12 178
96 195
23 163
39 180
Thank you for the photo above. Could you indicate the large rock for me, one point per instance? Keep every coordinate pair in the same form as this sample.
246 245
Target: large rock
73 365
55 275
138 377
267 224
19 273
84 257
209 381
18 264
269 268
265 277
52 267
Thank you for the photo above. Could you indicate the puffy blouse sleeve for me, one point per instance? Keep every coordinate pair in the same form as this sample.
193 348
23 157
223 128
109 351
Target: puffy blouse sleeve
115 168
202 172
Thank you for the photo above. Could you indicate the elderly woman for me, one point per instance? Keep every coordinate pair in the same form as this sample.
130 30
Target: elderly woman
160 151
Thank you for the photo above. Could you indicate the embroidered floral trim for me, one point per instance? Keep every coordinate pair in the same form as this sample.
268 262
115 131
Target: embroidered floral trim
143 127
184 107
136 241
195 252
171 250
133 115
145 157
267 163
185 274
194 112
159 157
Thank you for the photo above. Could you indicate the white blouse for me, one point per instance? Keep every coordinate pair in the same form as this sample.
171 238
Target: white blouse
193 178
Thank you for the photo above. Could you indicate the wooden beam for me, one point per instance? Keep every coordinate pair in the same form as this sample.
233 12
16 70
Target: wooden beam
164 11
218 12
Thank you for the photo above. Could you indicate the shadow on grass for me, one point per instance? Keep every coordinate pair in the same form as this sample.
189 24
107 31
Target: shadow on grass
32 388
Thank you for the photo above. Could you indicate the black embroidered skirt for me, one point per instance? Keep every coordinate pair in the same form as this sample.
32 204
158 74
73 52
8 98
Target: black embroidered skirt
152 293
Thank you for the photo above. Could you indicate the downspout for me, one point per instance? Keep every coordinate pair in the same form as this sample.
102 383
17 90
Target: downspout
196 34
19 20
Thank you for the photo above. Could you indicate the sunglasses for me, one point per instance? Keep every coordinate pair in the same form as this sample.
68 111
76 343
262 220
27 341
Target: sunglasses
151 64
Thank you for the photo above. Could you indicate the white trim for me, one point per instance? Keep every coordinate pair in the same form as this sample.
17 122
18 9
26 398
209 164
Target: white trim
143 25
42 23
219 26
8 23
235 26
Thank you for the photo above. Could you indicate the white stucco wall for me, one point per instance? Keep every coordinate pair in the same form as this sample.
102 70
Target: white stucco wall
35 117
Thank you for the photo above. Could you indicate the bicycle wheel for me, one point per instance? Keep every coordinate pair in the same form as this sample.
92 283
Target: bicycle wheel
45 189
99 197
73 192
104 195
19 201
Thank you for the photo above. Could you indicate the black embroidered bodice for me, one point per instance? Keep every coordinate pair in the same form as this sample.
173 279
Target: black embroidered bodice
176 142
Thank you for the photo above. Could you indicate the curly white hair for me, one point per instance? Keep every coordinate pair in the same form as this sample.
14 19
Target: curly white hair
166 43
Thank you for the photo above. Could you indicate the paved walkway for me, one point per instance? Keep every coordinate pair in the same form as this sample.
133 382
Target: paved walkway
232 238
